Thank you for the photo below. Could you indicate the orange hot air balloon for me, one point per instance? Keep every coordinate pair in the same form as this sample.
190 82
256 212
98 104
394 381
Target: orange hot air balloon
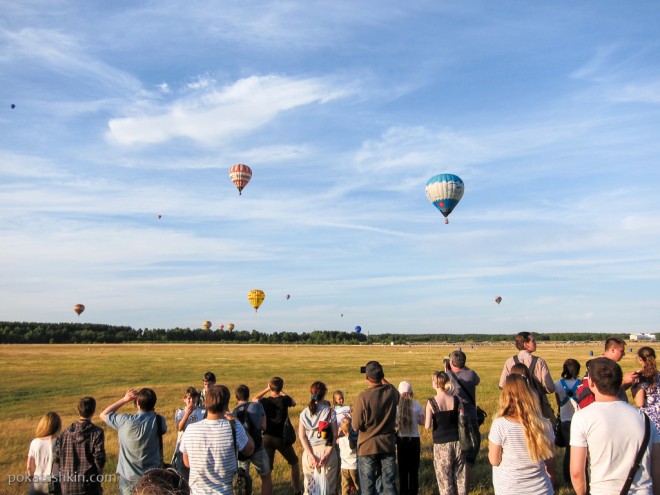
230 327
207 325
240 175
79 308
256 297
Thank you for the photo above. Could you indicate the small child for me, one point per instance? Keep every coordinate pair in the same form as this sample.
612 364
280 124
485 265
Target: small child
183 417
341 410
348 456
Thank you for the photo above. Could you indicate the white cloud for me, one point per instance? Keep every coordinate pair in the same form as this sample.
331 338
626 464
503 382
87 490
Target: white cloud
215 116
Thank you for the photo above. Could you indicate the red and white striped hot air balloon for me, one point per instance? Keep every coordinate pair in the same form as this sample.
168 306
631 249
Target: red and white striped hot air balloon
240 175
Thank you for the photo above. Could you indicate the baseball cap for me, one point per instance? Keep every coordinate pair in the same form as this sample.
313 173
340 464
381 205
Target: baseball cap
405 387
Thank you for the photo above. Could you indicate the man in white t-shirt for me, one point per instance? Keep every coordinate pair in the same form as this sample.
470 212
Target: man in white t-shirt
208 446
611 432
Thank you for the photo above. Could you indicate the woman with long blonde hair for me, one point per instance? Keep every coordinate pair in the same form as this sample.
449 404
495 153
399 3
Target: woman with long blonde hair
521 442
409 416
40 455
442 413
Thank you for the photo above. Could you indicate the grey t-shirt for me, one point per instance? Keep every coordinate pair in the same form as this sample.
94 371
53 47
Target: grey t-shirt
470 380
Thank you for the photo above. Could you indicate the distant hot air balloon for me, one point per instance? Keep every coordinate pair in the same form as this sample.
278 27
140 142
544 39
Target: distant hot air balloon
207 325
498 299
342 315
288 296
221 327
230 327
358 329
79 308
13 106
256 297
444 192
240 175
159 217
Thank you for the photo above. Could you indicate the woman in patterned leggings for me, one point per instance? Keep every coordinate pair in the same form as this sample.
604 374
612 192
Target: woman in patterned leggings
448 459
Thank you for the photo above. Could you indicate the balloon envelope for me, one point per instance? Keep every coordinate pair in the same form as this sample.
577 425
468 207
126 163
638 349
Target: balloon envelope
207 325
358 329
230 327
221 327
498 299
288 296
256 297
13 106
444 192
240 175
79 308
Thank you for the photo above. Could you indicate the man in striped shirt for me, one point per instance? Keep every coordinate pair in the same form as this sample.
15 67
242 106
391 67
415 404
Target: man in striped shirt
208 446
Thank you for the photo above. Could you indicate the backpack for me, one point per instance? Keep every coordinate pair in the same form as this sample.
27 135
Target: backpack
250 428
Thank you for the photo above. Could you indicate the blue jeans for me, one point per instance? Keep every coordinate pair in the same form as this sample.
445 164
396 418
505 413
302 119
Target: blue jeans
371 467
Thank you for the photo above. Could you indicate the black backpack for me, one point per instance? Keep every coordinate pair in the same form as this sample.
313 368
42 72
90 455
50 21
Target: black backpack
254 431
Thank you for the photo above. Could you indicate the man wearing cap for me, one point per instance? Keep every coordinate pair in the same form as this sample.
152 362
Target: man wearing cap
465 383
374 417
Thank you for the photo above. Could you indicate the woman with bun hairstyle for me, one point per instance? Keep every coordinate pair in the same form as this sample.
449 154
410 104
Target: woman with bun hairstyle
318 443
442 415
646 394
521 442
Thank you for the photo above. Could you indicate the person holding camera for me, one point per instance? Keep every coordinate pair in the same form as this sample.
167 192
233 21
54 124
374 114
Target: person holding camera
465 382
374 417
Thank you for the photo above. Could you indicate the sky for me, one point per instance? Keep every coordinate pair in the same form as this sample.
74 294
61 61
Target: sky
549 112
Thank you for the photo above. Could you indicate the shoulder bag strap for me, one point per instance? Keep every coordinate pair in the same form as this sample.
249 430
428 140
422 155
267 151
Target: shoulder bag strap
159 430
463 387
232 422
638 458
515 359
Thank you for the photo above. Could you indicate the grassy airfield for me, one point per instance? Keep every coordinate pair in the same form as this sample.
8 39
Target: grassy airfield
40 378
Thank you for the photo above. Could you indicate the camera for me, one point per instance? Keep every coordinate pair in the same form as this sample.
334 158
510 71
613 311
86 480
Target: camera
363 369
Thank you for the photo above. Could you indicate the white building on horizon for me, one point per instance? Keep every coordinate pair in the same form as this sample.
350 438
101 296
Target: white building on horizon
635 337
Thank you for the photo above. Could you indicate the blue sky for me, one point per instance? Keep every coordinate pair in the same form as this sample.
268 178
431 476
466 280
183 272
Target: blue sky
548 111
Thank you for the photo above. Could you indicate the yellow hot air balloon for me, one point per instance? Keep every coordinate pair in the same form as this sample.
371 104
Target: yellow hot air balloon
79 308
256 297
207 325
230 327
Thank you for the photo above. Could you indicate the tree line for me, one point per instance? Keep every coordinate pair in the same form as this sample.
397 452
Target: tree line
94 333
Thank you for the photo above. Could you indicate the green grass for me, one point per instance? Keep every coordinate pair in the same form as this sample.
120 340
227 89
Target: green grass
41 378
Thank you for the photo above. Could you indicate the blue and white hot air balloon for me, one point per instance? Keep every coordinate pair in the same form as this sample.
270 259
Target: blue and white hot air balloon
445 191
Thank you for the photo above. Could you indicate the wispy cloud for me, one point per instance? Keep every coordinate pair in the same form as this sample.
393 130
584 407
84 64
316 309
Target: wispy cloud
214 116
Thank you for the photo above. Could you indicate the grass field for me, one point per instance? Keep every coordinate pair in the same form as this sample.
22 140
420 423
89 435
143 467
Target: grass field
40 378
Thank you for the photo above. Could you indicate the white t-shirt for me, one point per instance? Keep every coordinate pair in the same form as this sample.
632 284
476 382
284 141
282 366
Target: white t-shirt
517 474
41 449
347 455
613 433
210 448
568 409
311 422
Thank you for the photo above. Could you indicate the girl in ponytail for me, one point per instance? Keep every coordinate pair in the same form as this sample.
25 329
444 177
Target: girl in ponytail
646 393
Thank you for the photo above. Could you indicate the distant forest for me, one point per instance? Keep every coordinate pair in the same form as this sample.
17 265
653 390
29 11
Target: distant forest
91 333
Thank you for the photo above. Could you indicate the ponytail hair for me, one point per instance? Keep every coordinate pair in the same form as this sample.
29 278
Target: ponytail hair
317 391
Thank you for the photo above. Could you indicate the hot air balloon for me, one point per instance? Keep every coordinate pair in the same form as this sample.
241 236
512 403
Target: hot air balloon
207 325
221 327
498 299
358 329
445 191
79 308
230 327
256 297
288 296
159 216
13 106
240 175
